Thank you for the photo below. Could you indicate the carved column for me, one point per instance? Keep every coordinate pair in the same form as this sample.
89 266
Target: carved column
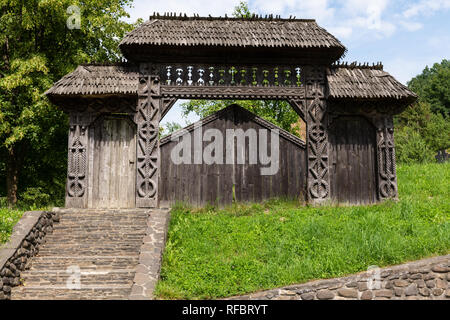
386 167
318 180
148 154
76 188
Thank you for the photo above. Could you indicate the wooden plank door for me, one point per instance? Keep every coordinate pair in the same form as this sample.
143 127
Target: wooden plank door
352 160
114 163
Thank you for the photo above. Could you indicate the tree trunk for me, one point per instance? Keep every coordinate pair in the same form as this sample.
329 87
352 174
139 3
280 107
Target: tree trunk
12 177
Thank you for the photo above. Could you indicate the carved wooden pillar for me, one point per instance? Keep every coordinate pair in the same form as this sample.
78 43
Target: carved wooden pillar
148 154
76 188
386 167
318 180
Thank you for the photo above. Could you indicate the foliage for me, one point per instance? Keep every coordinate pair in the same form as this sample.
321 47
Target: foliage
419 133
36 49
411 147
242 10
8 219
433 86
169 128
279 113
214 253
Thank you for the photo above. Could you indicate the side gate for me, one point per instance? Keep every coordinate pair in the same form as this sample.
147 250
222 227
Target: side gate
231 155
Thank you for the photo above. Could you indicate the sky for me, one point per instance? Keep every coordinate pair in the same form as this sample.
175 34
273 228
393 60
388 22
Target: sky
404 35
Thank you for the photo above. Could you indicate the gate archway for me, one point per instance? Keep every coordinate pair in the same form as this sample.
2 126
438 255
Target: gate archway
170 59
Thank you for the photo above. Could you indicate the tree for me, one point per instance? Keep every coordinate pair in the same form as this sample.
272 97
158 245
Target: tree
278 112
424 127
433 87
36 49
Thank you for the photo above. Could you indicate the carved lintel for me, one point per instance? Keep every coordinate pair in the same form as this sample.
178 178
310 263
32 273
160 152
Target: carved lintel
318 180
76 187
387 177
148 155
232 92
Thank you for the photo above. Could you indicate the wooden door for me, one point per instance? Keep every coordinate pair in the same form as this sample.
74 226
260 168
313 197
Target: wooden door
352 160
114 163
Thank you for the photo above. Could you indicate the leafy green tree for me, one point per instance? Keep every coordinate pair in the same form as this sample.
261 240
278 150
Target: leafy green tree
169 128
411 147
424 127
36 49
433 87
279 113
242 10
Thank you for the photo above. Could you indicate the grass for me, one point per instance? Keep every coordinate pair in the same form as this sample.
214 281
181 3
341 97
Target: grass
8 219
10 216
212 253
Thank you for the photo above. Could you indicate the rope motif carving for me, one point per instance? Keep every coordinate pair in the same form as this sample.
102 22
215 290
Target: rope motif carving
387 178
317 147
76 184
147 119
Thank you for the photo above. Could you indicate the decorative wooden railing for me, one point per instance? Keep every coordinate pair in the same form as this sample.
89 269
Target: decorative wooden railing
217 75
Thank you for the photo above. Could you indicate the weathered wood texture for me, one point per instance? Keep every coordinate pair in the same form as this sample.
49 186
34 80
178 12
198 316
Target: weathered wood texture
200 184
77 170
352 160
112 182
147 117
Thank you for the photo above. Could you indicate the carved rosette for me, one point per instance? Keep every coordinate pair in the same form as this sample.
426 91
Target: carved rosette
387 177
318 184
147 119
77 160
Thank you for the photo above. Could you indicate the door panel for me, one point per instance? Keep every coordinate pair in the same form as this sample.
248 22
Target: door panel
114 167
352 165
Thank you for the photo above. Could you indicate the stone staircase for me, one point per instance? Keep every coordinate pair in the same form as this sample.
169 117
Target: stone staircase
91 254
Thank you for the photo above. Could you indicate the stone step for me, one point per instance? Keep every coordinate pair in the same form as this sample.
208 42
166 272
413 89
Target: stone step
88 262
62 293
53 249
87 277
98 217
104 245
99 237
91 228
111 221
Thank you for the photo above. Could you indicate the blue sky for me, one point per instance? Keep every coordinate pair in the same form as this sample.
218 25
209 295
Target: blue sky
405 35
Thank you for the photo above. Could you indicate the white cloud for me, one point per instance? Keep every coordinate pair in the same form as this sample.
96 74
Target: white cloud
411 26
144 9
426 7
341 32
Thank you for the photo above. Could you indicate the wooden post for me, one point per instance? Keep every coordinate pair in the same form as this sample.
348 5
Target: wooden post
318 179
76 188
387 176
148 155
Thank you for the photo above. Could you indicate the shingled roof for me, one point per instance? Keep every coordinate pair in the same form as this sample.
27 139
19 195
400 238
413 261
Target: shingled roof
87 80
353 82
230 34
363 82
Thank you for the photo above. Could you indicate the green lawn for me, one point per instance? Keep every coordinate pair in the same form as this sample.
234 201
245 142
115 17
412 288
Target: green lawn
8 219
214 253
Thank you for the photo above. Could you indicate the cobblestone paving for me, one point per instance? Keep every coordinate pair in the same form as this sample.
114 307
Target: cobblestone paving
91 254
